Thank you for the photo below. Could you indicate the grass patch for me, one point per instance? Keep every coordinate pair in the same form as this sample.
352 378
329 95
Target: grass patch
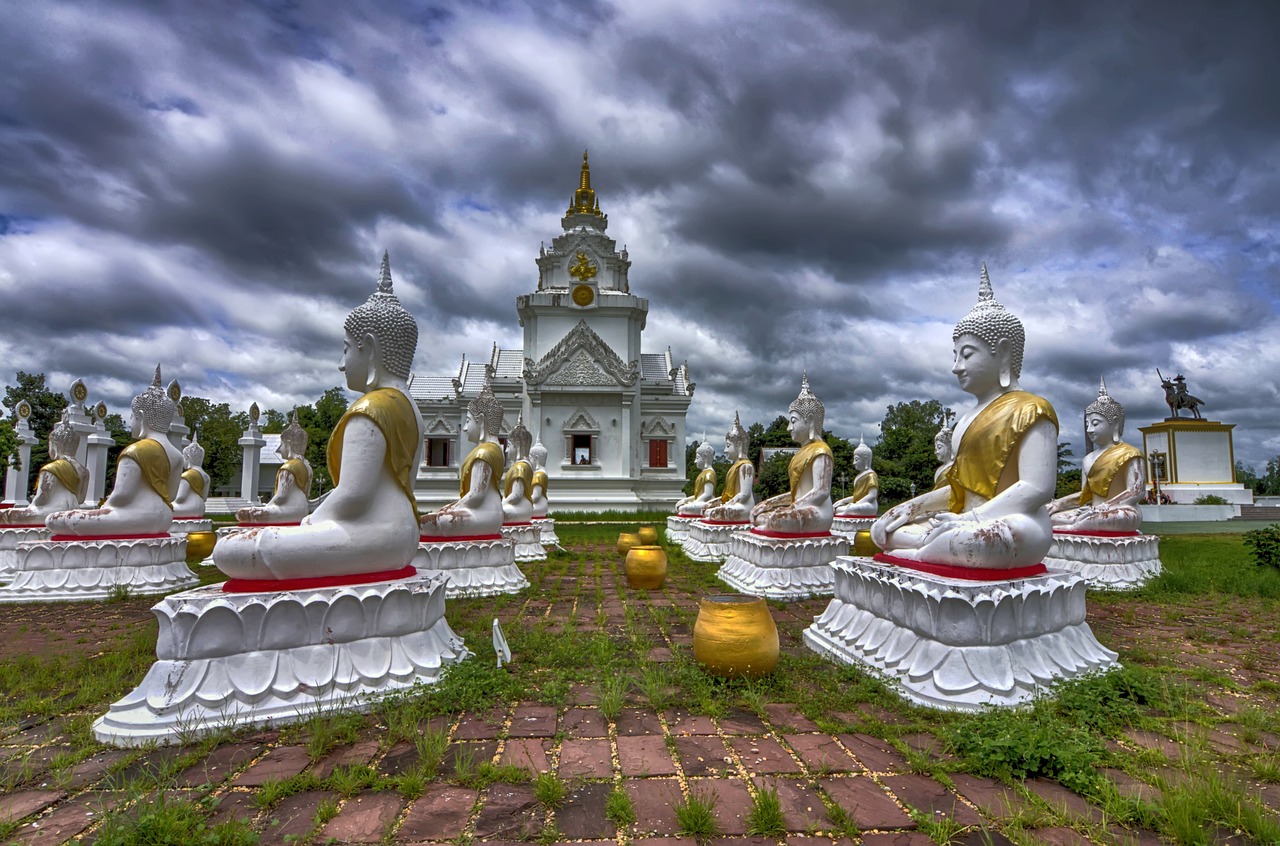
765 817
697 816
1197 565
549 790
169 822
619 809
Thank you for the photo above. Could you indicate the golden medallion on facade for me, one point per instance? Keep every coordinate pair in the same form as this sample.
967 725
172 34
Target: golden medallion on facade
582 269
583 295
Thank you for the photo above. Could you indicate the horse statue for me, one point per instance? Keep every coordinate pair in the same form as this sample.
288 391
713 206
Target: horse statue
1176 396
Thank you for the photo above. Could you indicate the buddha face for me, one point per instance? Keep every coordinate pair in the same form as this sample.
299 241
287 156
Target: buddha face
941 449
1101 431
976 367
731 450
356 360
861 461
472 428
799 427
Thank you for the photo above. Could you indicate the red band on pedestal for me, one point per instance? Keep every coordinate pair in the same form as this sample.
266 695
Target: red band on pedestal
22 526
443 539
727 522
1097 534
525 523
768 534
261 525
972 574
69 538
261 585
685 517
4 505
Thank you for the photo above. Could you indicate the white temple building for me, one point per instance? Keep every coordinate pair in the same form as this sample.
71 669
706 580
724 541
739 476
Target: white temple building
611 416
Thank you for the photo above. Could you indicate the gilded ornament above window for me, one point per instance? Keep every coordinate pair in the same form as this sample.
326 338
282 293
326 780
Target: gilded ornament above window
583 269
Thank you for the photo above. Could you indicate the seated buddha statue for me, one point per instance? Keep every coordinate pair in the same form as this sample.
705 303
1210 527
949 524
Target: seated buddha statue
738 496
369 522
193 490
991 513
704 486
61 485
1113 478
538 484
478 509
942 452
517 507
864 501
289 498
806 508
147 475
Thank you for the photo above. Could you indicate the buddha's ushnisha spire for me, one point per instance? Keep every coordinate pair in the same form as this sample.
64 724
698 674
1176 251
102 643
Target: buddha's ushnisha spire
1102 386
984 285
384 274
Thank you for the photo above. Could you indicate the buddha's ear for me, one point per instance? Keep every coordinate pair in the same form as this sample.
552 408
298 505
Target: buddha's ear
370 343
1006 362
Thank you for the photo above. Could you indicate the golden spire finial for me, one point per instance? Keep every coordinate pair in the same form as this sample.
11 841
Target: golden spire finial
586 173
584 200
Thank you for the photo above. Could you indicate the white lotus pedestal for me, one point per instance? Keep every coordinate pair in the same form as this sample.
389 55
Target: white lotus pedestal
10 537
273 657
678 528
481 566
187 525
528 540
85 568
780 566
954 643
547 529
858 532
223 531
708 540
1107 560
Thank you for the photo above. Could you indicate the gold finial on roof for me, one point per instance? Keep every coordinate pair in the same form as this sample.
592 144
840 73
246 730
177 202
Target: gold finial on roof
584 200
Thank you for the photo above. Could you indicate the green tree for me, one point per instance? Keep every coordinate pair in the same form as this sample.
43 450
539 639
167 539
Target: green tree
119 432
904 452
1247 476
8 445
46 410
320 420
218 429
274 422
1069 475
772 478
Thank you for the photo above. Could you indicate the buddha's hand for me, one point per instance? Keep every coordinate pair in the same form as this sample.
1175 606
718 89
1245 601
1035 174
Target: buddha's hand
897 517
1081 515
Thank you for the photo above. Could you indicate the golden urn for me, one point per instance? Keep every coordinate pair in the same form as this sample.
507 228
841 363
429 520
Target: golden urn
735 636
863 545
200 546
648 535
646 567
626 540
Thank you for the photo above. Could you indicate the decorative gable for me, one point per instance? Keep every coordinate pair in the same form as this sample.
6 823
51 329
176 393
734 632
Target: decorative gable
581 358
658 427
440 426
581 421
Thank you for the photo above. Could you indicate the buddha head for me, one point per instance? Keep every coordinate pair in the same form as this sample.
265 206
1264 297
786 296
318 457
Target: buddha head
64 441
293 439
989 341
519 441
942 444
861 456
805 414
381 338
538 455
484 415
735 442
1104 419
193 453
704 455
152 410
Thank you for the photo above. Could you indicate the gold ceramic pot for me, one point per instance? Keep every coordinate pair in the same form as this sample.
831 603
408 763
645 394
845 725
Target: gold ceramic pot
646 567
648 535
863 545
735 636
200 546
626 540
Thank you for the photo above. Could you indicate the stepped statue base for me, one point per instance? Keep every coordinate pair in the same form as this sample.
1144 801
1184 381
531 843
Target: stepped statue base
187 525
1110 561
678 528
92 568
269 658
781 567
547 528
959 644
10 537
528 540
708 540
858 531
476 567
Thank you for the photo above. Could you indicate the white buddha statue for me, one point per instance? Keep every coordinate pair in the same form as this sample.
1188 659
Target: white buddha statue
478 509
538 484
148 472
61 485
991 513
193 490
704 486
517 482
942 451
738 497
806 508
1113 479
289 501
368 523
865 499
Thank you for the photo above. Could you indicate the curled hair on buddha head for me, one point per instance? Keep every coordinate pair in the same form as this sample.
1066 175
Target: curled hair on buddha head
193 453
487 409
294 436
521 437
943 436
705 449
1106 406
808 406
388 322
154 406
992 322
64 437
862 448
538 454
737 435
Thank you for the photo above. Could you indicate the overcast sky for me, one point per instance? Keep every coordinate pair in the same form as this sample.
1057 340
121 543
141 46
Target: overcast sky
800 185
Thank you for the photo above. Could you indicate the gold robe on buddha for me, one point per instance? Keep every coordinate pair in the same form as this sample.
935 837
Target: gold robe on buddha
990 440
66 474
803 460
521 471
490 454
301 473
865 484
193 478
392 412
705 477
1104 470
732 480
152 459
539 480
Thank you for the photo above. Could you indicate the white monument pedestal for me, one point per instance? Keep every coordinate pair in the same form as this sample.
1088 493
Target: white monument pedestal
708 540
233 659
781 566
10 537
547 528
528 540
476 567
678 528
955 643
847 527
1107 561
187 525
91 568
